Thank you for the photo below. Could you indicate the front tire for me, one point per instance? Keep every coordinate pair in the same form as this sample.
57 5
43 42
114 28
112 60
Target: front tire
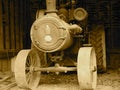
24 74
86 68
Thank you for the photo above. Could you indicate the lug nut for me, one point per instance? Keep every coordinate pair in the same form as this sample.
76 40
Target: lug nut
65 71
95 69
48 72
57 73
35 27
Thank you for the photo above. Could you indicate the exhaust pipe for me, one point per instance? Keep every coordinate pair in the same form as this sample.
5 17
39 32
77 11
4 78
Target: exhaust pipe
51 6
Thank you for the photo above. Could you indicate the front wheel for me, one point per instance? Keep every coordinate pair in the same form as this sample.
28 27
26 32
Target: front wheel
86 68
24 69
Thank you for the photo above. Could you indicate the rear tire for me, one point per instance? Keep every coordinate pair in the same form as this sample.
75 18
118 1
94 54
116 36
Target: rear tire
97 39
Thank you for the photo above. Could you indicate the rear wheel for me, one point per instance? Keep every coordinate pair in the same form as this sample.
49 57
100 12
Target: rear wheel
97 39
86 68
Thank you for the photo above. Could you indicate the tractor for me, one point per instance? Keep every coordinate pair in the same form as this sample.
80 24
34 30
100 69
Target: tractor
60 43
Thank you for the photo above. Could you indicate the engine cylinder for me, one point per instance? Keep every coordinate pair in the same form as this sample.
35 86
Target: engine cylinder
50 34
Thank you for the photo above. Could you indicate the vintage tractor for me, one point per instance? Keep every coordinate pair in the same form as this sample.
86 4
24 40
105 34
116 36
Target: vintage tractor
58 45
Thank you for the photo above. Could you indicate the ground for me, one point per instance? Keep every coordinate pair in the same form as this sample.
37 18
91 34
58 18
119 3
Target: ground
107 81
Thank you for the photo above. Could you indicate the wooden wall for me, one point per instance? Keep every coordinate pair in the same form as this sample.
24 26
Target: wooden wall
113 35
14 28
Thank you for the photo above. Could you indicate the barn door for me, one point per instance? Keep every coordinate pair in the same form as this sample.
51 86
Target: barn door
113 35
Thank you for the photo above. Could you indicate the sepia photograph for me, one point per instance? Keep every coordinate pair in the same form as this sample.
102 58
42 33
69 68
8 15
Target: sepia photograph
59 45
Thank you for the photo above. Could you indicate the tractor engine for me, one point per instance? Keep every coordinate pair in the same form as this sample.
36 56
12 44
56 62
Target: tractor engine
50 33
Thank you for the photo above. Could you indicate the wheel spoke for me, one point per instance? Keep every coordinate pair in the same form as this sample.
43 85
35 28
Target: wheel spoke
32 60
34 63
28 76
27 61
27 69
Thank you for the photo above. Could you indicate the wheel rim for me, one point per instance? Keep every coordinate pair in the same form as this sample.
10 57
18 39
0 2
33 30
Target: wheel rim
86 68
24 69
93 68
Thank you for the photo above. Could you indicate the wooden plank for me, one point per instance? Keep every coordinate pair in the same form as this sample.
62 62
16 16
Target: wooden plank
4 65
0 66
17 18
25 25
7 37
5 78
21 23
8 61
9 86
9 65
12 21
1 27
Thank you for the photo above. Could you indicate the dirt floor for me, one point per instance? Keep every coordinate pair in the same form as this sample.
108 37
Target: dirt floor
107 81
